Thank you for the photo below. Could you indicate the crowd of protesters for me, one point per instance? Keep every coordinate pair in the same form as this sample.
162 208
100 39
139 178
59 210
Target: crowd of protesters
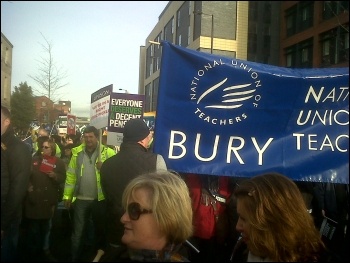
111 213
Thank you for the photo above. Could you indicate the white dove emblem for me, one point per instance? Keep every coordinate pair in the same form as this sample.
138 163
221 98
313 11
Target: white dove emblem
235 98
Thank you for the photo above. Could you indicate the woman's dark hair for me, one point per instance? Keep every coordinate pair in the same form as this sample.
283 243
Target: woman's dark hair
40 142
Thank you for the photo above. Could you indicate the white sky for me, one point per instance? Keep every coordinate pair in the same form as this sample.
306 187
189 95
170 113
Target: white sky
97 43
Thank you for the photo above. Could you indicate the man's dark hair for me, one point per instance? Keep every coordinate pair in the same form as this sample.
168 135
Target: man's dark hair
5 111
89 129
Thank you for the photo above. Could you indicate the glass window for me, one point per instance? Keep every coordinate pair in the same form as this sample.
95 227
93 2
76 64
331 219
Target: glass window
325 48
189 35
289 60
305 13
304 55
172 26
148 97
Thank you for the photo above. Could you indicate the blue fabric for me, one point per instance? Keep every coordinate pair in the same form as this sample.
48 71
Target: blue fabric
222 116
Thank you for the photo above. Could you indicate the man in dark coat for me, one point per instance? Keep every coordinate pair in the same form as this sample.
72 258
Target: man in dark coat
15 174
132 160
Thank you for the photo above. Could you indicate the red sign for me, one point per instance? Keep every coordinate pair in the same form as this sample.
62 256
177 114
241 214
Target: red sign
48 164
71 121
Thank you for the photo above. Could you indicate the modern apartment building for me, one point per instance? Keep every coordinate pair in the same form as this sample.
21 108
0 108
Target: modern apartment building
314 34
218 27
6 70
296 34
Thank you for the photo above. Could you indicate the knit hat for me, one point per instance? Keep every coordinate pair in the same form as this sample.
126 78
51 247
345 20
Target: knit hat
135 130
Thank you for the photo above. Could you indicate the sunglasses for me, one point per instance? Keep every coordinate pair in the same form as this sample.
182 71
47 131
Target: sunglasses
46 147
134 210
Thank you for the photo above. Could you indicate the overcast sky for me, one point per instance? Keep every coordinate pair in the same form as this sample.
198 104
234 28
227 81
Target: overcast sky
97 43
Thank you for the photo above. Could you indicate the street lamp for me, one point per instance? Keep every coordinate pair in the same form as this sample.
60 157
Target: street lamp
153 42
212 28
126 91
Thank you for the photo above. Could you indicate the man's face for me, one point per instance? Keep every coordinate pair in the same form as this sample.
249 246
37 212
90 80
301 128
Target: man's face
5 122
90 140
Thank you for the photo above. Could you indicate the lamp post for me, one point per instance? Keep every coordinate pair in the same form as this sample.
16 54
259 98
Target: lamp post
212 28
126 91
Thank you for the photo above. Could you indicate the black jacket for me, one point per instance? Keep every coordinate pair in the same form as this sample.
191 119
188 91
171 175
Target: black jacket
116 172
15 175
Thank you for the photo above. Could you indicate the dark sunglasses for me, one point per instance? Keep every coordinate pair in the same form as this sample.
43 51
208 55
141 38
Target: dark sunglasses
134 210
46 147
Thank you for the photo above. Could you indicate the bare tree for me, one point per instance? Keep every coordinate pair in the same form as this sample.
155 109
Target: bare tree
50 78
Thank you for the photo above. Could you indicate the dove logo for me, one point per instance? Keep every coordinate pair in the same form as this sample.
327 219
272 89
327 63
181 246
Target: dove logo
227 96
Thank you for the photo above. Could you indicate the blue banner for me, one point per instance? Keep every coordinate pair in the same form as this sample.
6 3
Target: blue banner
223 116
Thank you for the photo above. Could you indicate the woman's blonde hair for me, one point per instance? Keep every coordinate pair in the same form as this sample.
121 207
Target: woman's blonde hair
281 228
170 203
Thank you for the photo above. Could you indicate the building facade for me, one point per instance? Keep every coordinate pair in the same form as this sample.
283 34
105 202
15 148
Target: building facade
220 27
47 111
6 71
314 34
294 34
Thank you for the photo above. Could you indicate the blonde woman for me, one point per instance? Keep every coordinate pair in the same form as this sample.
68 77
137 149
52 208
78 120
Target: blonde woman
157 218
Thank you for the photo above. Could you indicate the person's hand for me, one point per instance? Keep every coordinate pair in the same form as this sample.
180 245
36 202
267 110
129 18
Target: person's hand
98 165
52 175
30 188
67 203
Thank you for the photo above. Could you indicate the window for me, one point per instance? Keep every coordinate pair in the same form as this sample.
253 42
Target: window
306 16
169 30
152 50
189 35
334 8
299 17
304 55
325 54
290 57
290 23
158 40
172 26
151 68
344 44
335 46
155 94
179 40
148 97
325 48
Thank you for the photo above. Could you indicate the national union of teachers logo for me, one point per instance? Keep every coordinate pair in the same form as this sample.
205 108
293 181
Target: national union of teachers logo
224 101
